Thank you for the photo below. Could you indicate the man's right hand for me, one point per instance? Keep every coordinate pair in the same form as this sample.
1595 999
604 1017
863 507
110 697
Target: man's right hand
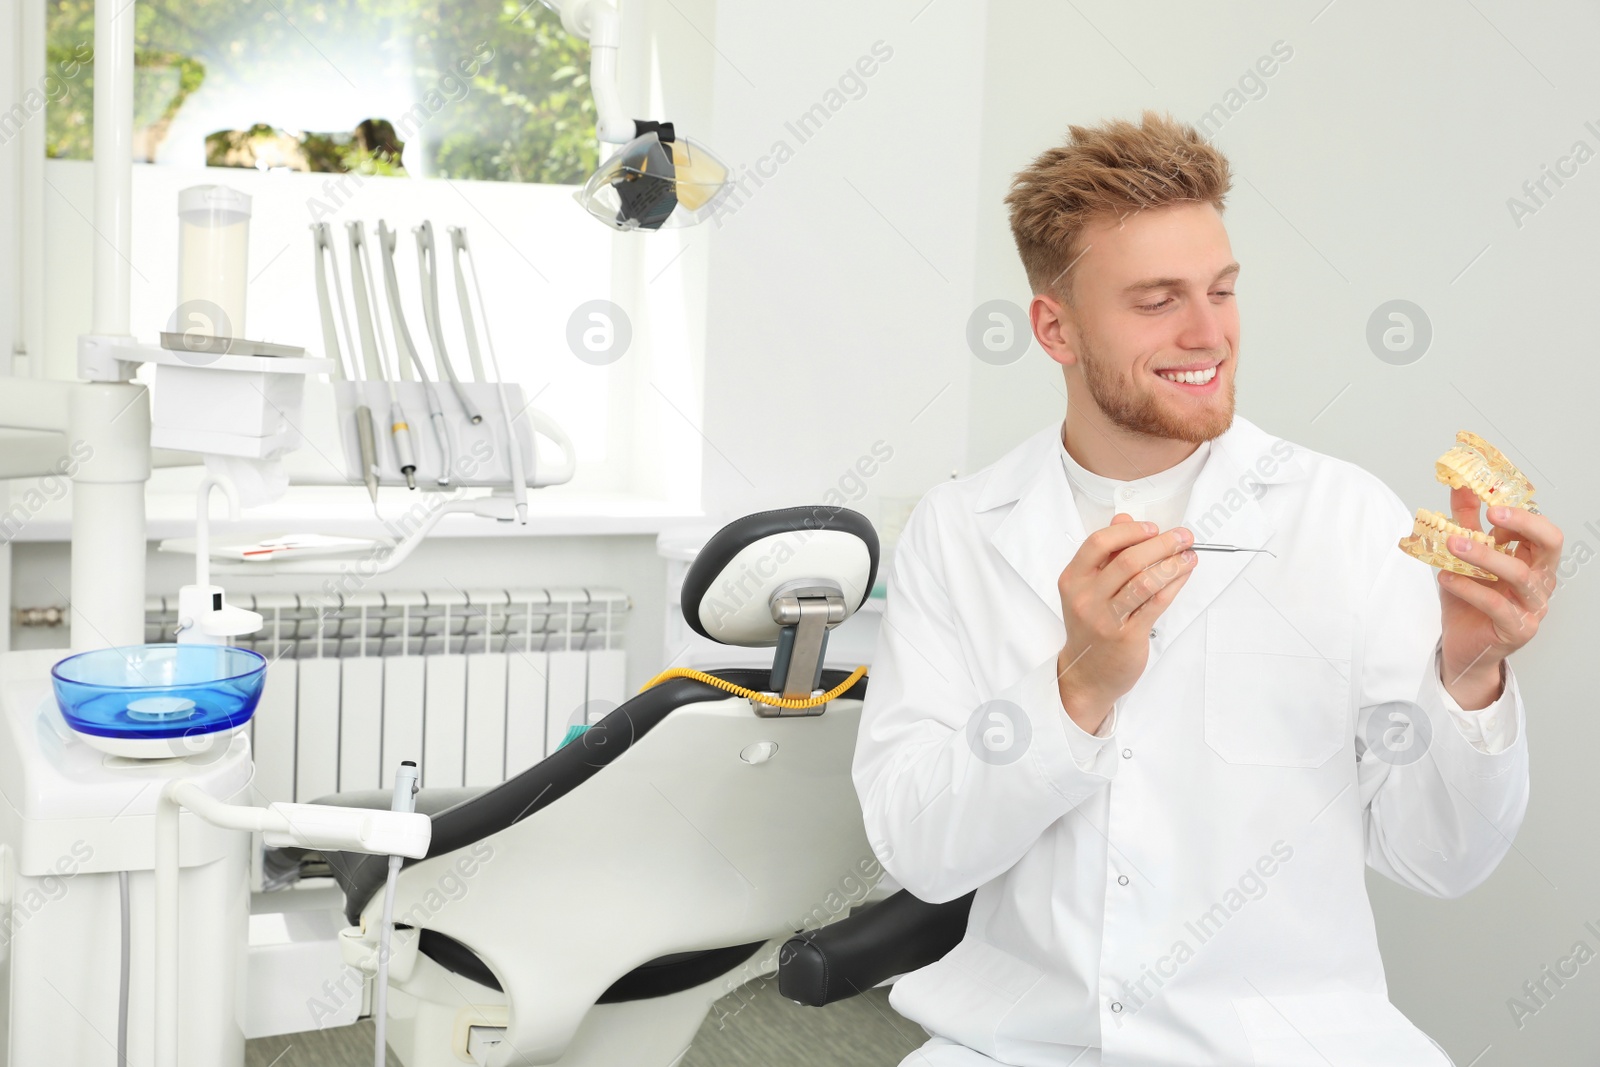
1116 586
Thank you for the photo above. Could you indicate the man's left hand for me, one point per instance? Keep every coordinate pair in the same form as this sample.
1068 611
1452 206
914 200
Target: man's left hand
1485 621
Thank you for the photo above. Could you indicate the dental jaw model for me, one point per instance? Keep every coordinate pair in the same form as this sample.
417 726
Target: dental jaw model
1477 465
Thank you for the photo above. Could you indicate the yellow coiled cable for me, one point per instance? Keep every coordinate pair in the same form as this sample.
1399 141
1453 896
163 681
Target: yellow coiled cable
793 703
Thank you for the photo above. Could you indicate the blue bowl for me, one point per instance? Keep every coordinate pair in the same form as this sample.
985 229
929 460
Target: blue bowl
159 691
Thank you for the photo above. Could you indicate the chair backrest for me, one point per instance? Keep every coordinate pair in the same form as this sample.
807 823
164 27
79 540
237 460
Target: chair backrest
682 844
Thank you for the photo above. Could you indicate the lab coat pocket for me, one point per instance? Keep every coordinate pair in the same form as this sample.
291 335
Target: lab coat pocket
1344 1027
1277 685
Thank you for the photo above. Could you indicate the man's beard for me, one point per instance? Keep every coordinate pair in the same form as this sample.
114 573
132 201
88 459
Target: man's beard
1142 412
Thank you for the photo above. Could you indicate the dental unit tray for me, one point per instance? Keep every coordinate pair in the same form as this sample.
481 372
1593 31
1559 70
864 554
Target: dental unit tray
481 456
225 346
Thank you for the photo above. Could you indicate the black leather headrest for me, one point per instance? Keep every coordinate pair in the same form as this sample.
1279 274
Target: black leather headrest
727 591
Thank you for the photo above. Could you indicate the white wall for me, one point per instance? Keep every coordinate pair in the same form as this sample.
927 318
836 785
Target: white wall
1377 166
840 286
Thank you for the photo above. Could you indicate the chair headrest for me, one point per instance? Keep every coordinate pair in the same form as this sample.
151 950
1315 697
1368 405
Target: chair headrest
728 591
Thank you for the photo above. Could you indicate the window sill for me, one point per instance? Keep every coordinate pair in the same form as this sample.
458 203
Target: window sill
347 513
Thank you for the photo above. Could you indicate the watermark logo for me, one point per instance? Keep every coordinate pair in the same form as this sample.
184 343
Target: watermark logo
1398 732
998 332
1399 332
599 332
999 732
199 323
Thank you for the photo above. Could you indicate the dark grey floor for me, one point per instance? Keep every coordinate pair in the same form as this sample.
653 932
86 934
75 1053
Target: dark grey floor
753 1027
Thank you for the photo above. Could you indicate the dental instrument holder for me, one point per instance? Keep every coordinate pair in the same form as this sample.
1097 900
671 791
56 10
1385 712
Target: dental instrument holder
806 611
482 459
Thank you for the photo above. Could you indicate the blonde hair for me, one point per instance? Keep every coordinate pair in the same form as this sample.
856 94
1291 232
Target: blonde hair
1108 170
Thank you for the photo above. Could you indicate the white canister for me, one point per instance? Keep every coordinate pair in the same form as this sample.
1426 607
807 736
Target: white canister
213 261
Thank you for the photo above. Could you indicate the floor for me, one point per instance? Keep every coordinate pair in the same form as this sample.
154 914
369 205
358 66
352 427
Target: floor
754 1027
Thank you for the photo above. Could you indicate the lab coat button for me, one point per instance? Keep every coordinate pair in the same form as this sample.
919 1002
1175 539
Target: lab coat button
1122 879
1127 753
1152 635
1116 1005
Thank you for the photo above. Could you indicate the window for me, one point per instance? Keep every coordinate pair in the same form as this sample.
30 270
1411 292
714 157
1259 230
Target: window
474 114
475 89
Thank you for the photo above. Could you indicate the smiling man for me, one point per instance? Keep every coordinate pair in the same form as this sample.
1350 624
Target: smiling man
1164 771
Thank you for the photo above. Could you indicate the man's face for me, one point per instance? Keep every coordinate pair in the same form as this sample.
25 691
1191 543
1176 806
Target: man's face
1154 296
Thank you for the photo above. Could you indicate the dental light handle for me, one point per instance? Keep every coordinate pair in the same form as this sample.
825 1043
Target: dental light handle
404 833
405 801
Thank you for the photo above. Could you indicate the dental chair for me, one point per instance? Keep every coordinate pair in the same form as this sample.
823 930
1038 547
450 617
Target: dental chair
590 910
875 943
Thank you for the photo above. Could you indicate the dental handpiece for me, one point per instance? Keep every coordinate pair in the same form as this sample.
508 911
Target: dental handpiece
386 240
399 430
404 453
428 269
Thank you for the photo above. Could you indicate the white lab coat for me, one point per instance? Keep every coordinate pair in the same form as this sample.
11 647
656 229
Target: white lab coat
1195 893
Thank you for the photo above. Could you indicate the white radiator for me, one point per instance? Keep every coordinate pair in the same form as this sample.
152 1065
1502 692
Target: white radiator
474 686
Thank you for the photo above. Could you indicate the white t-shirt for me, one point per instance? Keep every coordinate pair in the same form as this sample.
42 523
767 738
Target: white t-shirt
1159 497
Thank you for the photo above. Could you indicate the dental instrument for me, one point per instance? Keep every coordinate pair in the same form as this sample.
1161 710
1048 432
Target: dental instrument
366 436
322 251
361 291
1232 548
428 274
403 343
405 450
367 442
458 247
322 246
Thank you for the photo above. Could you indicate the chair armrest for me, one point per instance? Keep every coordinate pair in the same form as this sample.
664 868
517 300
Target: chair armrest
896 935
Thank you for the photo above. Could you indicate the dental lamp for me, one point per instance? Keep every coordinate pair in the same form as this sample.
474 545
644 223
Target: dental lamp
657 178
